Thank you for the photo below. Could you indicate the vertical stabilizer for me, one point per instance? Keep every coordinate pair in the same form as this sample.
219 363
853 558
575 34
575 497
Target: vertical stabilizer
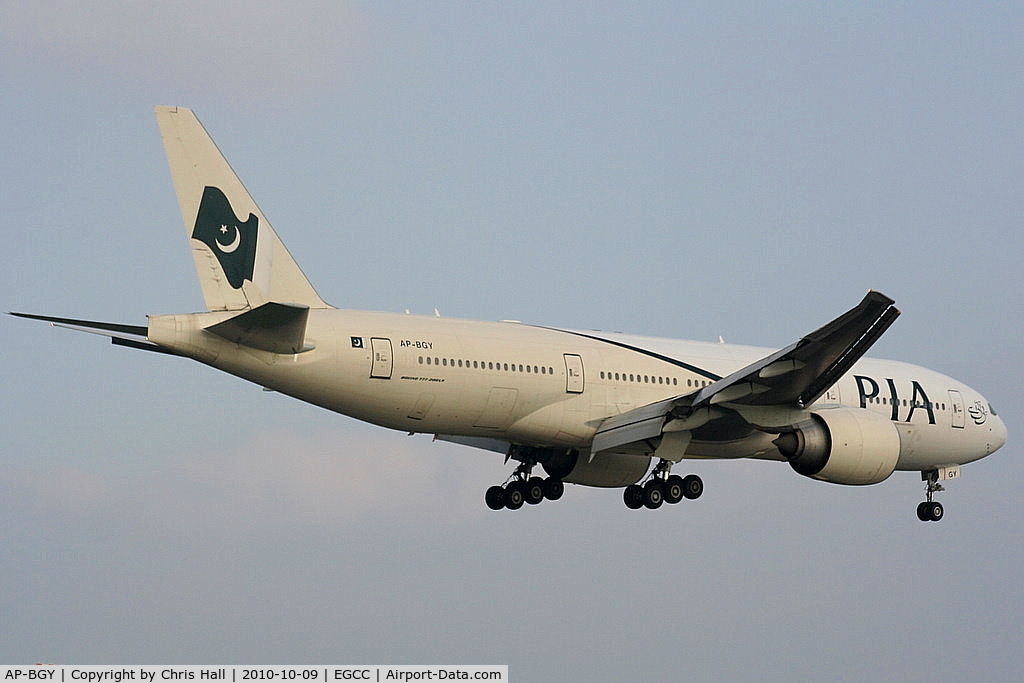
240 260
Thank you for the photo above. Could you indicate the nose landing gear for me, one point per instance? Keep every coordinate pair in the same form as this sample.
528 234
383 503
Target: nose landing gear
931 510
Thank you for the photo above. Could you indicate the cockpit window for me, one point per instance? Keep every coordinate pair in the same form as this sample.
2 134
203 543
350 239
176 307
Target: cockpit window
991 409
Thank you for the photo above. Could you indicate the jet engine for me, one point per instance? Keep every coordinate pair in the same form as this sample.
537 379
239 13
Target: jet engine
843 446
606 469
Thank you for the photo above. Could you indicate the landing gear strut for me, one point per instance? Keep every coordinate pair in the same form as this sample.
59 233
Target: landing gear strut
662 487
930 510
522 488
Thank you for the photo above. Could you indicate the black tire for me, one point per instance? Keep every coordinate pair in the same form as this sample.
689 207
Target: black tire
514 495
674 489
693 487
553 488
922 511
495 497
934 511
533 490
633 496
654 494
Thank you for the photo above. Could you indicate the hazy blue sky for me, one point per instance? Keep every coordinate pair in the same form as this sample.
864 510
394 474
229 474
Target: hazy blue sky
745 170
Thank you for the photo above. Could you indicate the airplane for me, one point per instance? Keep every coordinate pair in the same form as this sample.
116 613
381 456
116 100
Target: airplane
590 408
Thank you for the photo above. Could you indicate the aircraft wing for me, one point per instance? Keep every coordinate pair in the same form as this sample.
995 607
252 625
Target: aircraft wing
792 377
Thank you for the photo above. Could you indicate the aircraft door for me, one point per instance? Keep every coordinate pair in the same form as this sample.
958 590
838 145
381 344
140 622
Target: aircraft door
573 374
380 349
956 405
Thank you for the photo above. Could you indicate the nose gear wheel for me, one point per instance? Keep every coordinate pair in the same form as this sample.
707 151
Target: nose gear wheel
930 510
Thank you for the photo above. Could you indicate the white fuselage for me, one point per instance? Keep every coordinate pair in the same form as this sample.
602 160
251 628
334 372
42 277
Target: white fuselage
536 386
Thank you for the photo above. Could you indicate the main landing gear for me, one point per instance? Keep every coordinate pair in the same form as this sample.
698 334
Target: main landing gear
522 488
662 487
930 510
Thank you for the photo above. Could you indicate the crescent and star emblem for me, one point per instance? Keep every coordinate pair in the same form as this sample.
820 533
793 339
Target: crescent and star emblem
228 248
230 240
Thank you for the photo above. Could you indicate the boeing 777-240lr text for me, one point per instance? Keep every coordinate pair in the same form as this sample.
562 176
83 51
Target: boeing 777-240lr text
588 408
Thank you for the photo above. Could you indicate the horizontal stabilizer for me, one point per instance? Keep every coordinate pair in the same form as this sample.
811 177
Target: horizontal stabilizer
133 336
273 327
88 325
142 345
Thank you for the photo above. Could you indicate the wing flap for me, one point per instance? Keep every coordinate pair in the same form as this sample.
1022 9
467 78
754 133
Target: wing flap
645 422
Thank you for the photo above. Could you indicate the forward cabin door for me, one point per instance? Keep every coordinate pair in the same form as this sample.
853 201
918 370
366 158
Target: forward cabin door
956 402
573 374
380 349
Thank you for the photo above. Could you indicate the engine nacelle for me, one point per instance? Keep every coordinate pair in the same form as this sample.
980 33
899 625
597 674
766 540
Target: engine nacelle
606 469
843 446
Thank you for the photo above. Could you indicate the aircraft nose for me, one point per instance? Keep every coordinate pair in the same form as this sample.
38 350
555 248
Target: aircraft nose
998 434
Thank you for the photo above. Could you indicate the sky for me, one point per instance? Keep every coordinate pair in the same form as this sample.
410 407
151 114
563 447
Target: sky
743 170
